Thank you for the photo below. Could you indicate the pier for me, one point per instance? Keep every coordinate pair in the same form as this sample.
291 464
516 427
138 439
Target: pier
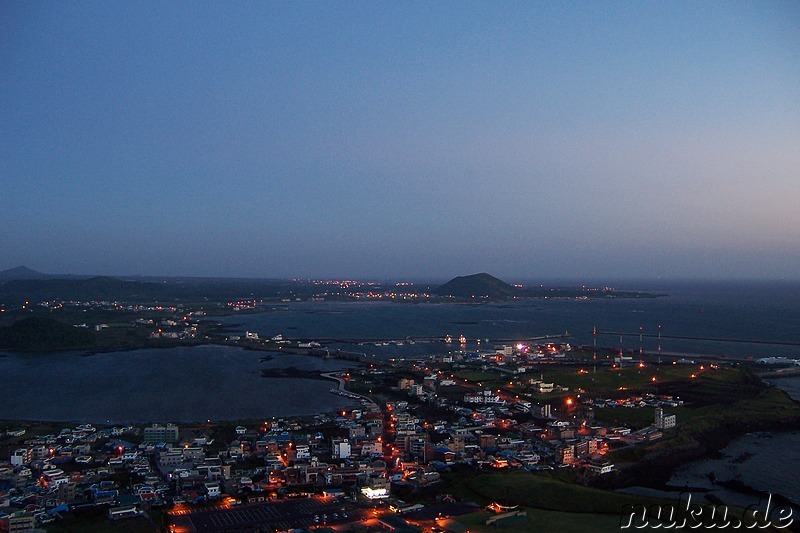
440 338
691 338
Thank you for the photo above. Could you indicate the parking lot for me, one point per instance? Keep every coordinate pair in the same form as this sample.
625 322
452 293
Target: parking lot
279 515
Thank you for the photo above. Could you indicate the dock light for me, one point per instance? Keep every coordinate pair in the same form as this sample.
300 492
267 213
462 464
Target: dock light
569 401
653 379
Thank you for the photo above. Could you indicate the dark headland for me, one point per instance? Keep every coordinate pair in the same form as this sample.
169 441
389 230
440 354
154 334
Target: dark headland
481 285
487 287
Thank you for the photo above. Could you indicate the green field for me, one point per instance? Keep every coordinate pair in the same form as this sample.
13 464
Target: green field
602 380
487 379
608 380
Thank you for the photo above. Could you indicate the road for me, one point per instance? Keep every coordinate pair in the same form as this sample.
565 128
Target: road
342 382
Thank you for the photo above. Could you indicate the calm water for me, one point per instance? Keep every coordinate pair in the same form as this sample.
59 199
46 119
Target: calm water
177 384
754 311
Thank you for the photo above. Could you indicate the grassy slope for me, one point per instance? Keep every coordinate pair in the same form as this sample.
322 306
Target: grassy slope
542 490
538 520
551 503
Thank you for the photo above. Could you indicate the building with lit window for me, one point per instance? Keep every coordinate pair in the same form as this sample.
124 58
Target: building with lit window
663 421
157 433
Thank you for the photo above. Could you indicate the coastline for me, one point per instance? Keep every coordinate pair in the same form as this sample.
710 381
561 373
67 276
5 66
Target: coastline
781 372
657 471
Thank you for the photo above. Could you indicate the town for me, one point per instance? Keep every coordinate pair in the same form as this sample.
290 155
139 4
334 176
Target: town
440 433
387 463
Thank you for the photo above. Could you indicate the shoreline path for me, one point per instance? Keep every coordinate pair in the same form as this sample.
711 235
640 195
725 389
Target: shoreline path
341 381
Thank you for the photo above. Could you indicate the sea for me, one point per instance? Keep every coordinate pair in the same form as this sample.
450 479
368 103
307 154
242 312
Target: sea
741 320
766 313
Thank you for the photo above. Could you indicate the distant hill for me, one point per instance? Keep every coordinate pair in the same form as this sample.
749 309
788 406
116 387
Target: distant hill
478 285
145 290
96 288
21 272
37 333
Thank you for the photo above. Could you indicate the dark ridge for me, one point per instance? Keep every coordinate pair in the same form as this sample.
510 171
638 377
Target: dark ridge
38 333
21 272
97 288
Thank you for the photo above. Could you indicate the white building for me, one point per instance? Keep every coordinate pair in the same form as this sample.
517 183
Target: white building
303 451
600 467
20 457
378 488
483 397
376 493
157 433
341 449
213 490
372 448
664 421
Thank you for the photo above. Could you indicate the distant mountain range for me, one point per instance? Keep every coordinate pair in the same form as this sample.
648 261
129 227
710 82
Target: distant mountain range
481 285
22 272
23 284
63 288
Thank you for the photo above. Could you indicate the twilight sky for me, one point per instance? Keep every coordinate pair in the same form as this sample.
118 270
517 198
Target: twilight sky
401 139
